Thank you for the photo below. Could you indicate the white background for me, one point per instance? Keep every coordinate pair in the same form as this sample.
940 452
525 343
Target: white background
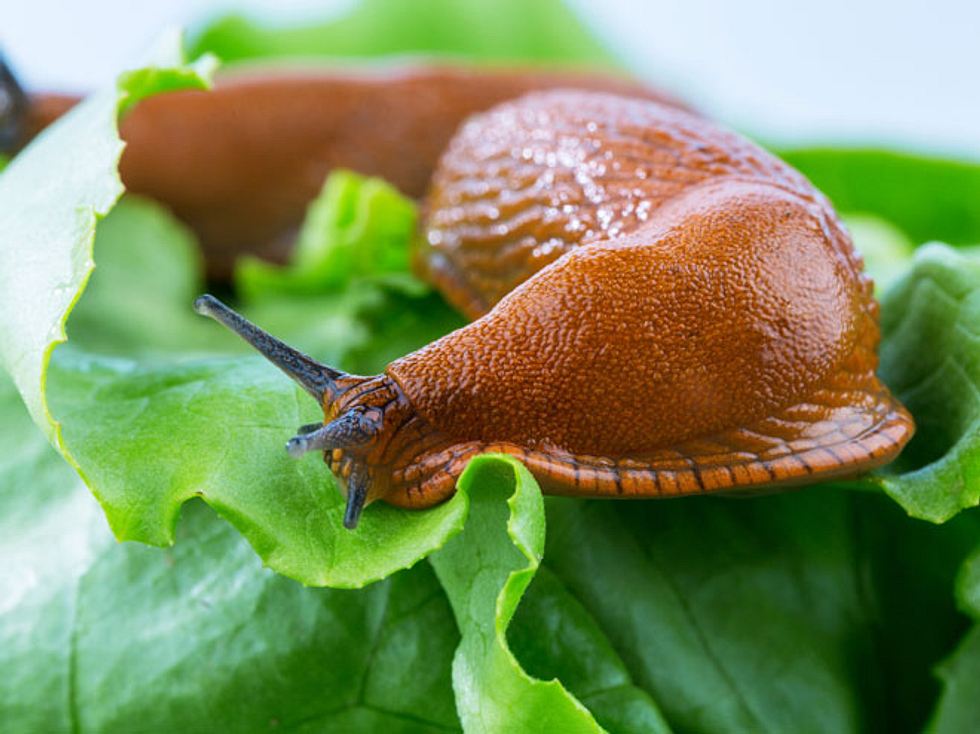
890 72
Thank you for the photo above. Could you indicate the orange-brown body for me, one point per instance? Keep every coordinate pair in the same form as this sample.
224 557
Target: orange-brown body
663 309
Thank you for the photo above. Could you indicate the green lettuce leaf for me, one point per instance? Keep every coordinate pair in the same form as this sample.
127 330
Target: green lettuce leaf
96 636
51 196
555 637
502 31
808 611
356 227
930 357
957 711
485 571
125 309
886 250
211 427
148 434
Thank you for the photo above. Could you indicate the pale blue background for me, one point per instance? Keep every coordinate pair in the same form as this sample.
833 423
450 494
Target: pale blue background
902 73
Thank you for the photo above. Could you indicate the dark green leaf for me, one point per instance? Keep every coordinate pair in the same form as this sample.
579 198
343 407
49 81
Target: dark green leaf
957 709
783 613
928 198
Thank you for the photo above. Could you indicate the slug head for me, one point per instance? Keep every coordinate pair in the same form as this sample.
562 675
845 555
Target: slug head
359 412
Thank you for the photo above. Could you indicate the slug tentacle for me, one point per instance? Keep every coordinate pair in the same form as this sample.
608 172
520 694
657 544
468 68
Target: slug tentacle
350 431
358 484
317 379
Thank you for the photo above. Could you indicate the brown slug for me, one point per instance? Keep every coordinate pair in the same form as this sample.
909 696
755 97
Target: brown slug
240 163
662 308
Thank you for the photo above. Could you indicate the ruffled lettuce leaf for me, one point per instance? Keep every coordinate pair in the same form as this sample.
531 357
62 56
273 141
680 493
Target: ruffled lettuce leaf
356 227
485 571
149 432
213 427
51 196
930 357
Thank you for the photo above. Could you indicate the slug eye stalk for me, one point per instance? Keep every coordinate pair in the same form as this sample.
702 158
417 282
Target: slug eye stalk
317 379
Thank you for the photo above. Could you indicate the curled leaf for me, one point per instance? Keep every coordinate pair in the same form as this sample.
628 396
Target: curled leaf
485 571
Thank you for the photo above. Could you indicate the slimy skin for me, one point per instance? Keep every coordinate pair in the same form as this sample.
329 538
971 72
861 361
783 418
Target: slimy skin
662 308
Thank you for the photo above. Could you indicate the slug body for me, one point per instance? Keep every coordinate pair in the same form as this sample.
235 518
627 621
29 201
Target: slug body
662 308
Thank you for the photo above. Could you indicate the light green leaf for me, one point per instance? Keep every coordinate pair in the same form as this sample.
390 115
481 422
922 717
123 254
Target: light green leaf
508 30
152 432
149 269
886 250
51 196
356 227
149 433
151 436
